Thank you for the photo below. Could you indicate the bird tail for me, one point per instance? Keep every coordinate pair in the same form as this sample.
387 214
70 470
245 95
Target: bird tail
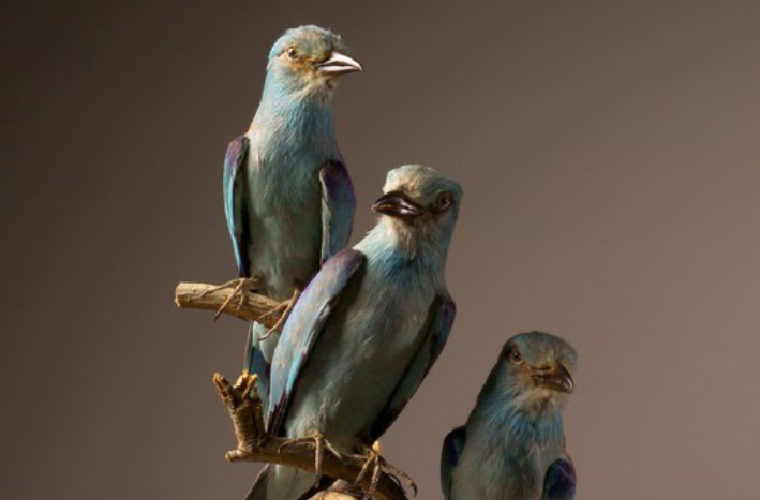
274 482
277 482
259 488
258 357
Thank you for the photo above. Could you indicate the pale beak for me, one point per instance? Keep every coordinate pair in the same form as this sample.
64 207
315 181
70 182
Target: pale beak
337 64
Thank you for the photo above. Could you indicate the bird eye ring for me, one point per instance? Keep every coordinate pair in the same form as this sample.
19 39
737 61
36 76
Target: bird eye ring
292 53
443 202
515 357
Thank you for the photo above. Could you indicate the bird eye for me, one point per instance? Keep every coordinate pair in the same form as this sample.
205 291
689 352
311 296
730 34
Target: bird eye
515 357
443 202
292 53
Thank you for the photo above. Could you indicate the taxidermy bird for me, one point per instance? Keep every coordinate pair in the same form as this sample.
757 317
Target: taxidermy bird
513 445
366 331
288 199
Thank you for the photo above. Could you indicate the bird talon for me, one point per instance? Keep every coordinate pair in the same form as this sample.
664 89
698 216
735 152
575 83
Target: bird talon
398 473
285 307
287 443
319 443
239 287
333 451
375 462
378 464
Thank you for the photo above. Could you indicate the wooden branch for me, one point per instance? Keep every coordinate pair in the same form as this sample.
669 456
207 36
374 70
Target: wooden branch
253 307
244 407
332 495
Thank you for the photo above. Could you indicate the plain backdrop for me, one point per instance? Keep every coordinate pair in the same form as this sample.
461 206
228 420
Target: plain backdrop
609 155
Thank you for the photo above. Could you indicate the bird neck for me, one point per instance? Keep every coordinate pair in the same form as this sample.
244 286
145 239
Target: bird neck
504 415
399 245
295 117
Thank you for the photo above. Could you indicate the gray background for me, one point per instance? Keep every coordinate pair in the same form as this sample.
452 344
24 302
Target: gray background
609 155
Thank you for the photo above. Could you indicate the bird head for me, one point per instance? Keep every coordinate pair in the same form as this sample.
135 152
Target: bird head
309 60
534 372
420 198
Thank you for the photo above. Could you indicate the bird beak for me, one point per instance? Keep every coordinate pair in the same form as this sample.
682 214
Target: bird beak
337 64
556 378
397 205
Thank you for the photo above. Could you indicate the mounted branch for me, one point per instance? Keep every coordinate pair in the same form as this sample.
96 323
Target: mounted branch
248 306
244 407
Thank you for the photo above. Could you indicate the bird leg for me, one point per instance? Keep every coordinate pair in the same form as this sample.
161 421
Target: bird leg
320 444
377 463
285 307
240 286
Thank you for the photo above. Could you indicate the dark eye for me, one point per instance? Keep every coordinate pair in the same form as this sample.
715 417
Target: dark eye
514 356
292 53
443 202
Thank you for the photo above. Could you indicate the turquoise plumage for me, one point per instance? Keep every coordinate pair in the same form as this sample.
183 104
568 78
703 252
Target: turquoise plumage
513 445
288 198
367 329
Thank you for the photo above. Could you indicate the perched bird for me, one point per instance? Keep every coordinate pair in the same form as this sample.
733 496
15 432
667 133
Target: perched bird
288 199
513 445
366 330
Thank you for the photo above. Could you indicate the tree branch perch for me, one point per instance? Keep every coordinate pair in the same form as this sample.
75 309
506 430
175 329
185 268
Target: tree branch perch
249 306
254 445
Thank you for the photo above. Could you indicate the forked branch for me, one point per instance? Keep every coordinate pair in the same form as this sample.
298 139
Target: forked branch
244 407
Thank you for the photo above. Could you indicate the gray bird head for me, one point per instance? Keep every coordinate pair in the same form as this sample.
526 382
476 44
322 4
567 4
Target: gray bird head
421 198
309 60
534 372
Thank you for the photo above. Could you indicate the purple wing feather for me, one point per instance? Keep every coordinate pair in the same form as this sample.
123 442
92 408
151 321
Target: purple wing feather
560 481
452 450
338 206
235 190
303 326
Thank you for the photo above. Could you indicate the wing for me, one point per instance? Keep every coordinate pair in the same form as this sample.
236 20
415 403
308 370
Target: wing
235 188
440 318
303 326
560 481
452 450
338 206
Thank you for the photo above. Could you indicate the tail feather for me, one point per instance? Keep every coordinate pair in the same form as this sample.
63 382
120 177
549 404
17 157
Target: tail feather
259 356
274 482
290 484
286 483
259 488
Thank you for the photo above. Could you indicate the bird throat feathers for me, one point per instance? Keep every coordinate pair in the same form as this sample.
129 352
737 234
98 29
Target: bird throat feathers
424 245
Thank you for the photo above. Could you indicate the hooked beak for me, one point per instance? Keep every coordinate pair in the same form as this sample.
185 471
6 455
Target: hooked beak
337 64
397 205
556 378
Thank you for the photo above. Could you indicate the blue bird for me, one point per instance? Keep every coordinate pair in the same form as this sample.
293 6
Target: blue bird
288 199
367 329
513 445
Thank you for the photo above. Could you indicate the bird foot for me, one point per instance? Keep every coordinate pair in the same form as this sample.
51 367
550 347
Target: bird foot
375 462
285 307
240 286
320 444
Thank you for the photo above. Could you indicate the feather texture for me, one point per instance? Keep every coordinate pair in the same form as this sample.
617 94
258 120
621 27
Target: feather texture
515 441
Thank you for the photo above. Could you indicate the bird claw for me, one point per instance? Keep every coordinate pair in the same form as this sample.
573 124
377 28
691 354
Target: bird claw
320 444
398 473
285 307
375 462
239 285
378 464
